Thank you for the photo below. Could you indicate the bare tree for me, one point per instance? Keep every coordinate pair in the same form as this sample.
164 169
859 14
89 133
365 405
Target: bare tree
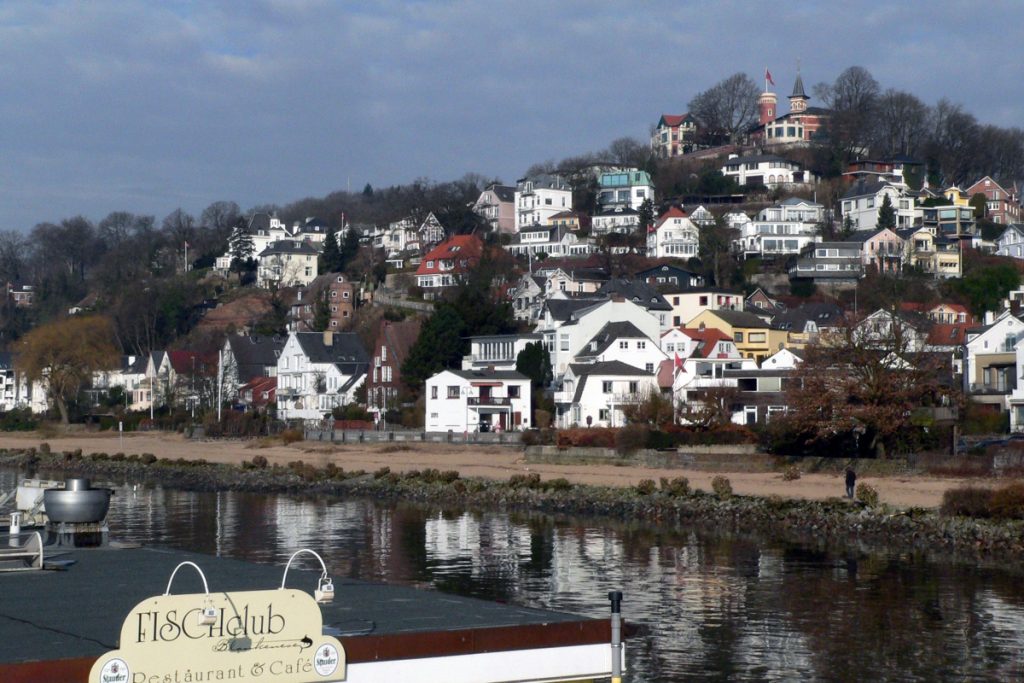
853 98
729 106
901 124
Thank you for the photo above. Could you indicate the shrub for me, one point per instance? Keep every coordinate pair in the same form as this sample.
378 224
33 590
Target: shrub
525 481
559 484
791 473
630 439
291 436
867 494
259 462
721 486
586 438
1008 502
967 501
448 476
646 487
677 487
44 448
531 437
148 458
382 472
118 457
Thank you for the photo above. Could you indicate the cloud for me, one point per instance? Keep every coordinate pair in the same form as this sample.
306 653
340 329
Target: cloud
161 104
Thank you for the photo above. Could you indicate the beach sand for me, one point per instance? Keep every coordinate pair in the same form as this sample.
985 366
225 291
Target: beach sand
489 462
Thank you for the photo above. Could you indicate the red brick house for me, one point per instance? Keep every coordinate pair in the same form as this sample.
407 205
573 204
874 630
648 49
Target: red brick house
389 351
1002 202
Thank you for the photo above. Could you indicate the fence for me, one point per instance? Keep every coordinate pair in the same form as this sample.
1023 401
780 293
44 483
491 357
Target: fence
402 436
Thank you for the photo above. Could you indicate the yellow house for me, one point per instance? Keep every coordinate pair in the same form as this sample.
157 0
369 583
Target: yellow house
957 197
754 338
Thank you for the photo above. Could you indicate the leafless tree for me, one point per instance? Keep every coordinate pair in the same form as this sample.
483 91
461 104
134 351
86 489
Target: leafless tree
901 124
729 106
853 99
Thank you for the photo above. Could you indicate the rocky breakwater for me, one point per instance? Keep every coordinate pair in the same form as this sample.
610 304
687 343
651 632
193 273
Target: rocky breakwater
671 503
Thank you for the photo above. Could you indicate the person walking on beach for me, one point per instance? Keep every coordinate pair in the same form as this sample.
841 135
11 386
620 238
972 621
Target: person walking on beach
851 481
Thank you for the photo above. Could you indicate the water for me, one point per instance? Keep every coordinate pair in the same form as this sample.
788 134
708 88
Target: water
714 606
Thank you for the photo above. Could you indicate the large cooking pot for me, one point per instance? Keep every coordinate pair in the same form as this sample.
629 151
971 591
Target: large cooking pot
77 502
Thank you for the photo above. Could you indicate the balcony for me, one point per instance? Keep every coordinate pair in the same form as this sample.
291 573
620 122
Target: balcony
563 396
489 401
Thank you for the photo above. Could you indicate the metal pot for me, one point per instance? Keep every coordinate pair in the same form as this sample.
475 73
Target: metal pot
77 502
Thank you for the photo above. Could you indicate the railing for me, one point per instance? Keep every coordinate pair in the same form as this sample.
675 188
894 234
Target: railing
489 401
563 396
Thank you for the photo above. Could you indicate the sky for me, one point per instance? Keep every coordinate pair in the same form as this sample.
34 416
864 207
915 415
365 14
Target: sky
149 106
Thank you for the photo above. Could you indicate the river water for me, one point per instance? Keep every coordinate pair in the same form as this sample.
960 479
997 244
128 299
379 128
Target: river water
714 606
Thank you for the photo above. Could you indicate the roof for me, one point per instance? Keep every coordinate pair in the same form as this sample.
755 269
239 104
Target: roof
290 247
637 291
865 188
798 87
399 336
192 362
608 334
794 201
673 120
345 351
707 339
253 353
545 181
822 314
488 374
76 615
562 309
611 367
756 159
673 212
861 236
504 193
740 318
458 248
942 334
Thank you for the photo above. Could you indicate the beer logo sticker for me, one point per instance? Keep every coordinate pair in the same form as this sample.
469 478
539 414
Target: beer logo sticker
325 661
115 671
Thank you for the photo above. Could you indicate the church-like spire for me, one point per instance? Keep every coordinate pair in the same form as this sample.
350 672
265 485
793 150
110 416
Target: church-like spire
798 87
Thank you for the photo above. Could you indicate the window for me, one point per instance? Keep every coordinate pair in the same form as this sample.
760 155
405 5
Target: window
623 344
453 392
602 415
334 294
606 387
513 391
738 337
670 347
344 295
433 391
634 387
563 342
383 354
649 367
703 301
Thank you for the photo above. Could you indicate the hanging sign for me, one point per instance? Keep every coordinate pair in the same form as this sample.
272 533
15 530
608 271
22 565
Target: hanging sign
272 635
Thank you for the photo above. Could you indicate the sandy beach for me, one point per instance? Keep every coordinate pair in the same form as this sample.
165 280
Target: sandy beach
488 462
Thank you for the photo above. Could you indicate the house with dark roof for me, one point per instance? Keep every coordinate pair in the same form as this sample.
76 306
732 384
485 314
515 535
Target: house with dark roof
640 293
331 295
497 206
836 264
287 263
317 372
247 357
670 278
808 321
596 394
622 341
478 401
862 200
540 197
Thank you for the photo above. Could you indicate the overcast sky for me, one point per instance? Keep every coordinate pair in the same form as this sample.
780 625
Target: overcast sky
149 106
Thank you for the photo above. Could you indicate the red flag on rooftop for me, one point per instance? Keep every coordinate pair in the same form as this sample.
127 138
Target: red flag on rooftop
768 76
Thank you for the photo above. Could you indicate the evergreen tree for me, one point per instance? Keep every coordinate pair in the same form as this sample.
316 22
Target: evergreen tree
534 361
240 247
330 256
441 345
349 249
886 214
322 311
645 214
368 190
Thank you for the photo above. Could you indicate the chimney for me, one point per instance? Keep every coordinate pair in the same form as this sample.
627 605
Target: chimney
990 317
328 338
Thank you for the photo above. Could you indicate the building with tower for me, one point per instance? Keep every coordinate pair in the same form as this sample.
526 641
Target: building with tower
802 125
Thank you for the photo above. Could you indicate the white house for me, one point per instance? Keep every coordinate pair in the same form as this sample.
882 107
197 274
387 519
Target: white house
16 391
628 188
781 230
615 219
624 342
317 372
550 241
595 394
860 204
766 170
478 400
1011 241
497 351
673 235
538 199
783 359
990 360
287 263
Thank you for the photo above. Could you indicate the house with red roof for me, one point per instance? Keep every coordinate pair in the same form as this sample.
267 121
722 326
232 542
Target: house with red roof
674 135
673 235
448 262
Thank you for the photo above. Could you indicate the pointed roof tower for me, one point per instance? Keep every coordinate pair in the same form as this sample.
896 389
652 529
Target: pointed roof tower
798 100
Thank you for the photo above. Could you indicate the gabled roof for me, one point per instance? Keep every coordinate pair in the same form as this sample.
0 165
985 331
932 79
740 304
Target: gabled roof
637 291
862 236
253 353
346 350
821 313
289 247
563 309
192 362
673 120
399 336
758 159
943 334
504 193
865 188
673 212
707 339
458 248
484 375
609 334
739 319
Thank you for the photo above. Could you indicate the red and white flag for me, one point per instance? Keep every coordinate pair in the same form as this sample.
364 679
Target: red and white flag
768 76
678 363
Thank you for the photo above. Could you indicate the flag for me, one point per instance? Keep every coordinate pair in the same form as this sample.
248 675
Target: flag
678 364
768 76
186 245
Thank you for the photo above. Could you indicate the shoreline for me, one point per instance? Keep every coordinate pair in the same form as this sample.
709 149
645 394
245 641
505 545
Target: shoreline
496 463
832 520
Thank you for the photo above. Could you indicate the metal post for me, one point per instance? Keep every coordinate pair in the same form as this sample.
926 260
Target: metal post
616 600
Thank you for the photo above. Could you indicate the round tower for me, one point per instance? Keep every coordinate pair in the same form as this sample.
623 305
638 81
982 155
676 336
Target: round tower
767 105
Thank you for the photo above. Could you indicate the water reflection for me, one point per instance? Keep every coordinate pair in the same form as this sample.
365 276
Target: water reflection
717 606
